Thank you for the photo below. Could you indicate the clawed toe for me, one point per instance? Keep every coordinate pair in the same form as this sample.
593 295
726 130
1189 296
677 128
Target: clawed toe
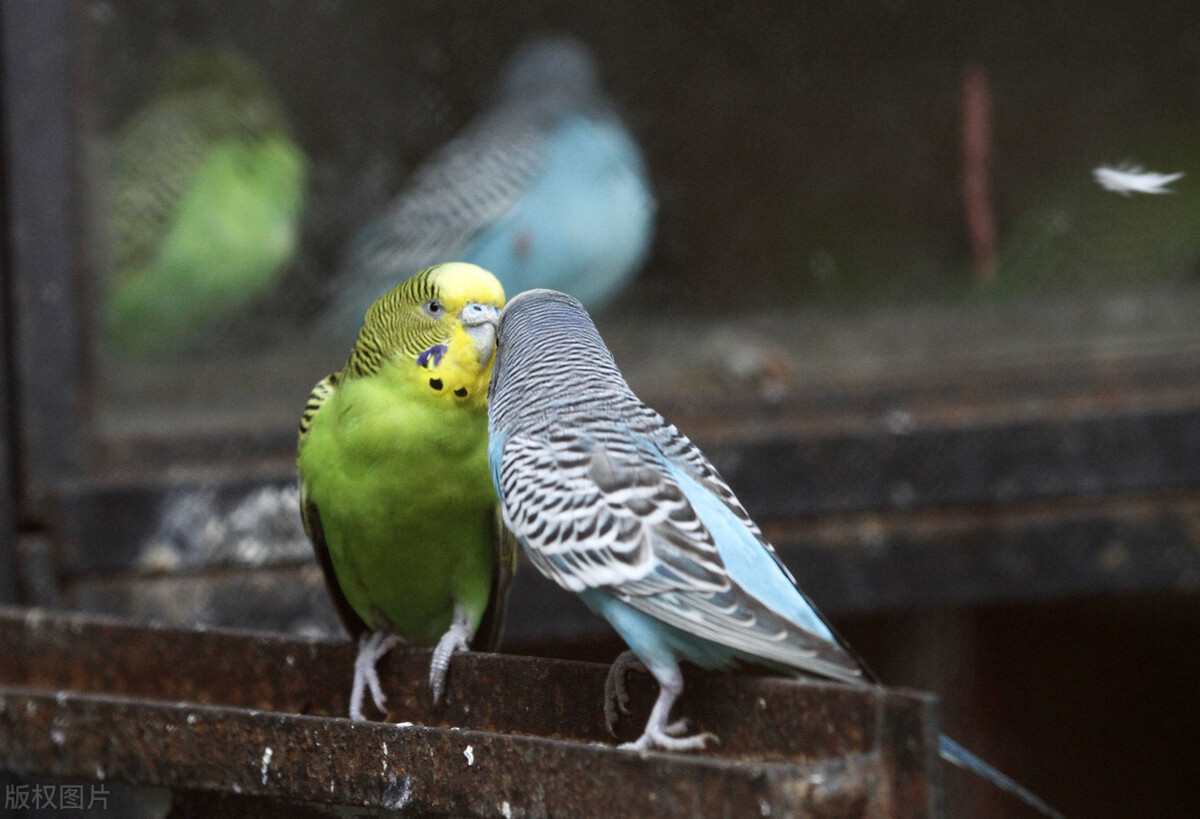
668 741
372 646
456 638
658 733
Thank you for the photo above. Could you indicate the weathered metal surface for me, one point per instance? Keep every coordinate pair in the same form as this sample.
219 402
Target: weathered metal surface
249 715
435 770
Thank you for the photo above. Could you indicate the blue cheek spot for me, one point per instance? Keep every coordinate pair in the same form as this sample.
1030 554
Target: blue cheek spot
435 352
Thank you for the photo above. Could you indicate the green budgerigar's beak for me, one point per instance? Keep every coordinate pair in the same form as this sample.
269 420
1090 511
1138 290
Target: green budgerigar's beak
481 321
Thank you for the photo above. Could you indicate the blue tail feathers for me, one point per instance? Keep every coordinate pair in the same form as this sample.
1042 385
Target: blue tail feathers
951 751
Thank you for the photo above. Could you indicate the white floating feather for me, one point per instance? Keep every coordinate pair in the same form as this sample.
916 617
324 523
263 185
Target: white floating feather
1127 179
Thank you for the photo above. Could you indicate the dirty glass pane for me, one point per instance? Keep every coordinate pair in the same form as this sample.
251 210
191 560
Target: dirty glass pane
841 191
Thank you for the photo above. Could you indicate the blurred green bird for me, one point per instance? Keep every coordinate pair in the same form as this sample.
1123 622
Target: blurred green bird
207 194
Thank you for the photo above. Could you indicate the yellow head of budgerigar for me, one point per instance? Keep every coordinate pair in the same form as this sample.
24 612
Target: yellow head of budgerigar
439 328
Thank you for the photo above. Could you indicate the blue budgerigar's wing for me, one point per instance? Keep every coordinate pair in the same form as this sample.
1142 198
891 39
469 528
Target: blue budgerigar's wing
589 524
613 513
685 458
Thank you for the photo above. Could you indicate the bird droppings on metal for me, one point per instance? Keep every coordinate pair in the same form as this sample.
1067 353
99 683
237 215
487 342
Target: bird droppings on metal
266 762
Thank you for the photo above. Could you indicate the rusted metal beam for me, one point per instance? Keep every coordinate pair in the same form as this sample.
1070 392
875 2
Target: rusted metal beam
244 715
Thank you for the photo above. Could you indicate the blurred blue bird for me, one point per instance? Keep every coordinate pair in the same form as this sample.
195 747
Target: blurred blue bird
612 502
545 187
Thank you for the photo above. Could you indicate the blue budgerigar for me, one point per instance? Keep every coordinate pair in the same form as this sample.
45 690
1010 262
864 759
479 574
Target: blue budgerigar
612 502
545 188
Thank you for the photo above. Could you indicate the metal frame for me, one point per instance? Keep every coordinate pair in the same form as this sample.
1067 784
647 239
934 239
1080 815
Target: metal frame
44 253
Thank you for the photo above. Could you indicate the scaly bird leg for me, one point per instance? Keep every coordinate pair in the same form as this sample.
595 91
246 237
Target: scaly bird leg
372 645
456 638
616 694
658 733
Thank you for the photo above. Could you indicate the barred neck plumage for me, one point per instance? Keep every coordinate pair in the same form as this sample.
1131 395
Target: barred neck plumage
390 326
551 362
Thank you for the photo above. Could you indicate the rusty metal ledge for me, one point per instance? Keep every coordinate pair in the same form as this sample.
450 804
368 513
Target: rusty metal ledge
245 716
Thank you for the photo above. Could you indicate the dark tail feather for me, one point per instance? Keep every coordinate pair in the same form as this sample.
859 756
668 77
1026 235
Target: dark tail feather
951 751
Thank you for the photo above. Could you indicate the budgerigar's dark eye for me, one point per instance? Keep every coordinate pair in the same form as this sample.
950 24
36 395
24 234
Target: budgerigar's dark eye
434 309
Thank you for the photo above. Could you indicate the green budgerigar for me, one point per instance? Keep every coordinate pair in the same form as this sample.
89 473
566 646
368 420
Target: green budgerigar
396 495
207 196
